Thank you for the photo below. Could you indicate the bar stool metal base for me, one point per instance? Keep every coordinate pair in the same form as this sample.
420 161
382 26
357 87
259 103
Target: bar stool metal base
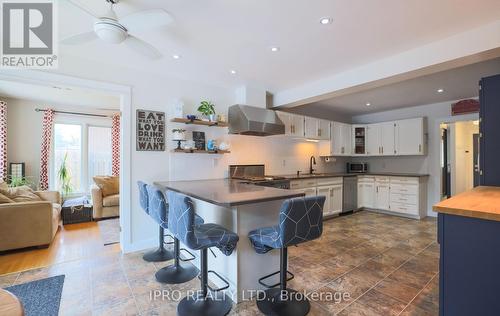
176 274
271 303
158 255
214 304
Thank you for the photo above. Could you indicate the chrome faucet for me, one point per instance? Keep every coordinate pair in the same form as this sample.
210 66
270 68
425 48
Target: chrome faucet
312 161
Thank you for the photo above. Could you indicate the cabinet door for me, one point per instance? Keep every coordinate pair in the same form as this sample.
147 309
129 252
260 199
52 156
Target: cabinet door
323 129
297 125
327 208
311 127
369 195
336 197
382 196
361 192
337 138
346 139
373 140
410 137
358 140
387 138
286 119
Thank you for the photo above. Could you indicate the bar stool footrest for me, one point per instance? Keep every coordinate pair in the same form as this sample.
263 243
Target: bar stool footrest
170 242
289 278
189 258
220 278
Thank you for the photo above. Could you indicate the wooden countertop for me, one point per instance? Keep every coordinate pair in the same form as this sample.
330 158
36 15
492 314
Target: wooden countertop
228 193
480 202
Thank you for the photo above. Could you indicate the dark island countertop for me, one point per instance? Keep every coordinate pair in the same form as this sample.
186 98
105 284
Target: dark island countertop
228 193
344 174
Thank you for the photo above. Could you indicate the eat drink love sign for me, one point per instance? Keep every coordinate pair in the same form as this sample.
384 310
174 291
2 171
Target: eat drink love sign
150 131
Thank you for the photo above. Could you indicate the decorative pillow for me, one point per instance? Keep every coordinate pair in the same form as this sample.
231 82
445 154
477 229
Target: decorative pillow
20 194
109 185
3 185
4 199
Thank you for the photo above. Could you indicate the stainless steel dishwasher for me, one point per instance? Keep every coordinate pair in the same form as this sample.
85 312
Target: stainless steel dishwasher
350 194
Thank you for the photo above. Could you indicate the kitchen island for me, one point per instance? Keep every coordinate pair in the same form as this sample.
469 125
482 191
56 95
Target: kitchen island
240 207
468 234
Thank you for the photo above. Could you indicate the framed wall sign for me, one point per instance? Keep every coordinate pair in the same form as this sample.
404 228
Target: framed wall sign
17 170
150 131
199 140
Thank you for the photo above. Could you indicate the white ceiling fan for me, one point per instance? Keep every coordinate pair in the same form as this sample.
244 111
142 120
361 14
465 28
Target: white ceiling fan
114 30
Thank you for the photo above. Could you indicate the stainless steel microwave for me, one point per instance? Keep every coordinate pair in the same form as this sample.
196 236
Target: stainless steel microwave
357 167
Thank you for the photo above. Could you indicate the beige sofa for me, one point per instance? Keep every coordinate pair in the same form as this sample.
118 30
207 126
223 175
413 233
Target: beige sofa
108 206
28 224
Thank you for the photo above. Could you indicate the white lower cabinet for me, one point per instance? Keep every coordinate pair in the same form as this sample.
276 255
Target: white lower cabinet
382 193
366 192
331 188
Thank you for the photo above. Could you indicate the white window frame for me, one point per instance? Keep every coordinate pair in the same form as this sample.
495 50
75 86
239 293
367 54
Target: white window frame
85 123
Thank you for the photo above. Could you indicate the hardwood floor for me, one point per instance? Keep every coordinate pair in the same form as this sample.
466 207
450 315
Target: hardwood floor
72 242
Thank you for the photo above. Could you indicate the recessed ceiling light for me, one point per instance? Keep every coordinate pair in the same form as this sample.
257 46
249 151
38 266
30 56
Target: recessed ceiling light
440 90
233 72
275 49
325 20
368 104
175 56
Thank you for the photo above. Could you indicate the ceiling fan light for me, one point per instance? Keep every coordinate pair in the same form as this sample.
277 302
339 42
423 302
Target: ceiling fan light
110 33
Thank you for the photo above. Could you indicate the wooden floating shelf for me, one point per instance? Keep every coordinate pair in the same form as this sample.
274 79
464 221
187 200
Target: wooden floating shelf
199 122
197 151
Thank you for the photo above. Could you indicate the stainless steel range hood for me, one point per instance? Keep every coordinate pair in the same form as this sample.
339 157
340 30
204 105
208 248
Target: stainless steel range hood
254 121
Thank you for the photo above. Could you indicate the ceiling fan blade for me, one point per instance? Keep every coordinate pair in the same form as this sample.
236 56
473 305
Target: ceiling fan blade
83 8
142 47
80 38
145 20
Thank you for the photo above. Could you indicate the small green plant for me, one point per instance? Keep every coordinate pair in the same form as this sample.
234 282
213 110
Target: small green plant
18 181
65 177
206 108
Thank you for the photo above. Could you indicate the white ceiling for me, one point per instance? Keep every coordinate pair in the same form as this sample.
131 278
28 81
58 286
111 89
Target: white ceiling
216 36
60 95
458 83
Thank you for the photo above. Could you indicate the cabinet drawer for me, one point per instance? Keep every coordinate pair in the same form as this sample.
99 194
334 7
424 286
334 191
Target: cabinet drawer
404 189
404 208
300 184
366 179
330 181
404 198
404 180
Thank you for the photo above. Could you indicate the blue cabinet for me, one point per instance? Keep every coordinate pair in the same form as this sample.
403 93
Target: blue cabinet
469 279
489 128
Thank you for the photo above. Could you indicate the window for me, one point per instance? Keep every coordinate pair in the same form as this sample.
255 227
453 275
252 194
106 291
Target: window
68 148
87 151
99 152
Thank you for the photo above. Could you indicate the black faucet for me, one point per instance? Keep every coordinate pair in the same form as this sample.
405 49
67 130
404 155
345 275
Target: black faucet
312 161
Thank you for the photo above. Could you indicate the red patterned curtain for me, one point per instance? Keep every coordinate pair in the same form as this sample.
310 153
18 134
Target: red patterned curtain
47 126
3 140
115 145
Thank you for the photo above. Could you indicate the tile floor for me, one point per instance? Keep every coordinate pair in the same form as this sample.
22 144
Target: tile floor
386 265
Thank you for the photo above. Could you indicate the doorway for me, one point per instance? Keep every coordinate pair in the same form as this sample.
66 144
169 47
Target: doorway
459 157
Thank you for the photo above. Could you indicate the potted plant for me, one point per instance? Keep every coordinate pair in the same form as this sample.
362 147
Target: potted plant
207 108
65 177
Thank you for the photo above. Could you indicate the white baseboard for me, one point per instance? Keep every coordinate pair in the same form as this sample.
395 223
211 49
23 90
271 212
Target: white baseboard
140 245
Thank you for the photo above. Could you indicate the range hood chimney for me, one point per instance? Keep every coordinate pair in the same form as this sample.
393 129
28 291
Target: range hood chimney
254 121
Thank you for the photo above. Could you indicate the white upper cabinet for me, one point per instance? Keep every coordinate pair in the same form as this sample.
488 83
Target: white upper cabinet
341 139
410 138
294 124
316 128
387 138
373 147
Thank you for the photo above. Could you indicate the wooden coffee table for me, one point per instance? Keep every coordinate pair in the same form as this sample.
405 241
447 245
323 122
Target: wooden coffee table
10 304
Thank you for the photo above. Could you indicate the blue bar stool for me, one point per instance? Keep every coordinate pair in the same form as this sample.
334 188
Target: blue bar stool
160 254
300 220
182 225
177 272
